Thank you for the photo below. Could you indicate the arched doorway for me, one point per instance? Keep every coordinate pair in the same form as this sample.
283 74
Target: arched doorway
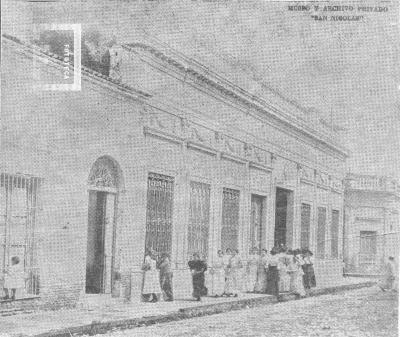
103 184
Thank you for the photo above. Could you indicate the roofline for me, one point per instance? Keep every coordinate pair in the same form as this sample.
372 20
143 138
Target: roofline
235 91
246 98
85 71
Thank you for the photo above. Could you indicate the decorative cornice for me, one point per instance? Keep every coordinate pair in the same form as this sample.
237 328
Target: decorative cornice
225 88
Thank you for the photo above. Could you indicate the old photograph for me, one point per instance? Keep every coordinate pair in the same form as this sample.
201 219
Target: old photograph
210 168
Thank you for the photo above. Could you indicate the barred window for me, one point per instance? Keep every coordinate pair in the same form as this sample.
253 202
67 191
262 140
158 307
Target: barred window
18 203
305 226
199 219
256 222
160 190
321 228
335 234
230 219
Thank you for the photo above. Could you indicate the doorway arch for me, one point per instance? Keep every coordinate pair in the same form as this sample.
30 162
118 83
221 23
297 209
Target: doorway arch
104 185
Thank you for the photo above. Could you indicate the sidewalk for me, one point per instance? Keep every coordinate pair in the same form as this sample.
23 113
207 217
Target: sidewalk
126 315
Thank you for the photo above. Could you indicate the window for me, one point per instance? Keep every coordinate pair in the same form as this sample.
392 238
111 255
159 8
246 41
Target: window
367 246
18 203
230 219
305 226
335 234
256 225
160 190
321 232
199 219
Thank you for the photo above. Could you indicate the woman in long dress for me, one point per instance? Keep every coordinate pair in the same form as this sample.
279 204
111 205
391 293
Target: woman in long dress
388 277
273 274
151 283
284 278
227 272
218 276
233 283
251 270
198 267
296 274
308 269
262 267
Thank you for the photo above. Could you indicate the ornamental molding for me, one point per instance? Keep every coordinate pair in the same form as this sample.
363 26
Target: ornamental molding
180 130
306 174
103 175
225 88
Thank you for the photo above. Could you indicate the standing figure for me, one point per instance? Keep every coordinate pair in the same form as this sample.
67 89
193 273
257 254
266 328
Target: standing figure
284 278
198 268
262 267
218 275
151 285
388 276
227 271
237 273
251 270
273 274
13 278
166 277
296 273
308 269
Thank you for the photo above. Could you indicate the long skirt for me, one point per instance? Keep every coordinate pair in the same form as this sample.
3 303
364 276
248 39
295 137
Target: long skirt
217 282
284 280
233 281
261 284
166 286
273 281
296 283
199 288
251 278
309 276
151 283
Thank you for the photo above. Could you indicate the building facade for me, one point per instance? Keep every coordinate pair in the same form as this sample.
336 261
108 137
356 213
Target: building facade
372 206
170 157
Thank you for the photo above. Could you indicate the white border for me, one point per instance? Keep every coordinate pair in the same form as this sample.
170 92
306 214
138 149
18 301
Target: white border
77 29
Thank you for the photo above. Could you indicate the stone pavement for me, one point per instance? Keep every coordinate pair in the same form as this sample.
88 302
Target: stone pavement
109 316
366 312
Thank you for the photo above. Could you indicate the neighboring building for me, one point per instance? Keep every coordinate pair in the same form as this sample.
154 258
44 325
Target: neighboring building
179 159
372 230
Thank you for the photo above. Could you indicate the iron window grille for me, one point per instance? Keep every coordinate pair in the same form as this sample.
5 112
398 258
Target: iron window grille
199 219
18 212
160 190
230 219
305 226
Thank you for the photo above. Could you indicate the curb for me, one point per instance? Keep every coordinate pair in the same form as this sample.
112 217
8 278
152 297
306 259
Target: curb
190 312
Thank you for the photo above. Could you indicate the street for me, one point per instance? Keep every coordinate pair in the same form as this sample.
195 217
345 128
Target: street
365 312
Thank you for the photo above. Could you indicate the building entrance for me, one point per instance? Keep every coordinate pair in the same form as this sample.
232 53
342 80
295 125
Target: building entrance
99 243
103 193
283 218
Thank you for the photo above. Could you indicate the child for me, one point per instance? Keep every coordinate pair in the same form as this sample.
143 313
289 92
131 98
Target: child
14 278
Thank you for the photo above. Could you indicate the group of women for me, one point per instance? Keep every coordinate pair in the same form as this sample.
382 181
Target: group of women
280 270
274 272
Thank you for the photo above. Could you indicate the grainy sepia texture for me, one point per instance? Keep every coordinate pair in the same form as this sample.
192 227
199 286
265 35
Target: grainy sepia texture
162 160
